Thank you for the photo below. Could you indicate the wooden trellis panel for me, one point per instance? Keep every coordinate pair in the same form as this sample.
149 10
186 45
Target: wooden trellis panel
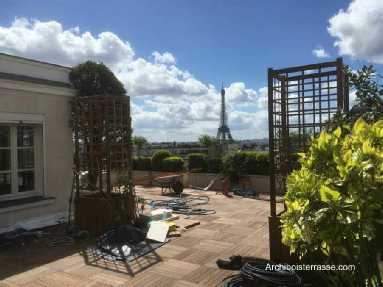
301 100
102 134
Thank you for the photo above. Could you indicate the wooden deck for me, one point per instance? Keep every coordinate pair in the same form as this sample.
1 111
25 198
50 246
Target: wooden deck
239 227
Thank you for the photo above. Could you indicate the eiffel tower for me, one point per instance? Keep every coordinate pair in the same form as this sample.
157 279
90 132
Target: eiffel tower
223 135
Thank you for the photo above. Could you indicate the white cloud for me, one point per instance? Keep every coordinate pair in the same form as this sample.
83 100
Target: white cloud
320 53
165 58
50 42
359 29
168 103
238 93
262 99
250 125
142 77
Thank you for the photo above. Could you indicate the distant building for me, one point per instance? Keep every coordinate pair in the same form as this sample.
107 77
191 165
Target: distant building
181 149
254 145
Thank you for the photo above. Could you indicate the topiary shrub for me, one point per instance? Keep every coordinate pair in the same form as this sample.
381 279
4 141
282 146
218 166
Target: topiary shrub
142 163
173 163
335 203
158 158
197 162
92 78
214 165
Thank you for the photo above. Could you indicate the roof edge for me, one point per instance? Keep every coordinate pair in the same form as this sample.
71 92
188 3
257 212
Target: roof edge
34 61
33 80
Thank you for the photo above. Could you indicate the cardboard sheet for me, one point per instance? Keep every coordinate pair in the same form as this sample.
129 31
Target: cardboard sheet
158 231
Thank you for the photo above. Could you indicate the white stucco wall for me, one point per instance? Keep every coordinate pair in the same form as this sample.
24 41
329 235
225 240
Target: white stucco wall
53 104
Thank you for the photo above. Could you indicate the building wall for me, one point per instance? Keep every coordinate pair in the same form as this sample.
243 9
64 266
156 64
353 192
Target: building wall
26 67
51 103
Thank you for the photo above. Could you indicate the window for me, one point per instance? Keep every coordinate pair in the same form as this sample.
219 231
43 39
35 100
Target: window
20 160
5 160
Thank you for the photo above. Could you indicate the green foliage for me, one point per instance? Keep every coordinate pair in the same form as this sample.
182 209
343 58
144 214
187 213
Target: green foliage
197 162
142 163
92 78
241 163
207 140
214 165
139 142
335 202
200 162
369 94
256 163
233 165
173 163
157 159
369 98
297 142
212 145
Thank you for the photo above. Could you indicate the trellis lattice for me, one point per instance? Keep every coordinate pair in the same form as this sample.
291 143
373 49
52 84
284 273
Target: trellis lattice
301 100
102 136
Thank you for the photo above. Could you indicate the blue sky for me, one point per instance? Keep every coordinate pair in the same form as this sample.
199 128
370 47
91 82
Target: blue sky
207 42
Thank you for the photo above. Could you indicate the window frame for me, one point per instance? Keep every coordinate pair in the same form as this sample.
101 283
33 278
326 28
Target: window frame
8 148
38 122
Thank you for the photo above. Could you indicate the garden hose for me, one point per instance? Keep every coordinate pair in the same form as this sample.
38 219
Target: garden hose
187 206
253 272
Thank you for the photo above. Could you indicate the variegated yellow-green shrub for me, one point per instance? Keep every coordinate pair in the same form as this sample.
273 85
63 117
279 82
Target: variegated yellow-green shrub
335 203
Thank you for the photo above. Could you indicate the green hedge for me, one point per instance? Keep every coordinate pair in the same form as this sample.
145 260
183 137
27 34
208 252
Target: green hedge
241 163
233 165
256 163
197 162
200 162
214 165
173 163
158 158
142 163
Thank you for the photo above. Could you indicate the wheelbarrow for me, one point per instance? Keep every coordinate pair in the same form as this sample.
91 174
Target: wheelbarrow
170 183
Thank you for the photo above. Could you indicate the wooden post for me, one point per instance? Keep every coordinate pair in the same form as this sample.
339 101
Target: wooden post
77 148
107 144
273 211
340 89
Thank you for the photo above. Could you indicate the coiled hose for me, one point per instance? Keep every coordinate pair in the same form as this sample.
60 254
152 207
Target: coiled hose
185 206
254 273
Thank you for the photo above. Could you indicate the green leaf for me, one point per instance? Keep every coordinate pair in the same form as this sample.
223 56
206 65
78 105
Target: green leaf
338 132
378 128
328 194
325 248
336 197
359 126
367 147
323 140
